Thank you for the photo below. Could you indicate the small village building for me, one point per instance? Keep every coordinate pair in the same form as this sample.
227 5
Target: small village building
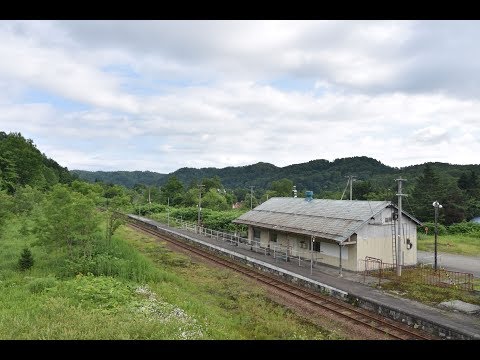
333 232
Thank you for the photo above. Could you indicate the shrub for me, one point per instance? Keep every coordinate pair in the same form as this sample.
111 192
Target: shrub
26 259
464 228
40 284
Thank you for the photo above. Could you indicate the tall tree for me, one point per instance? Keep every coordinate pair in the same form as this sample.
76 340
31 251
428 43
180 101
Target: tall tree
27 158
427 190
361 190
26 198
59 224
173 190
214 200
212 183
282 187
8 174
6 203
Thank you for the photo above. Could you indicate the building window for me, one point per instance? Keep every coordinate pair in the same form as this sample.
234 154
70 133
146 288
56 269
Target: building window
256 233
316 246
303 245
388 220
273 237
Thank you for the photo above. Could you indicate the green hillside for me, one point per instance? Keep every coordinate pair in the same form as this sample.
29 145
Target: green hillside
21 164
125 178
316 175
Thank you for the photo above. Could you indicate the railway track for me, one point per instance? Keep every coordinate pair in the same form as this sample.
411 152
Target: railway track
357 315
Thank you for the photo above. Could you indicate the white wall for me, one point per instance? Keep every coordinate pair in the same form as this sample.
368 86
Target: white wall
375 239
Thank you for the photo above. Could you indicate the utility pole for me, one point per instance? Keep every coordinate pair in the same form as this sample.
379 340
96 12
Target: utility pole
251 197
168 211
349 182
399 239
199 203
149 200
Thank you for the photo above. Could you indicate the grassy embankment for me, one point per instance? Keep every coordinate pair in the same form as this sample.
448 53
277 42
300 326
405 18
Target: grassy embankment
138 290
462 244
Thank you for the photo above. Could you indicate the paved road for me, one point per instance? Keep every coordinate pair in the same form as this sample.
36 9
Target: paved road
452 262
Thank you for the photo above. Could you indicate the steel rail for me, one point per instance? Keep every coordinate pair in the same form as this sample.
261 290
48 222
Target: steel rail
348 311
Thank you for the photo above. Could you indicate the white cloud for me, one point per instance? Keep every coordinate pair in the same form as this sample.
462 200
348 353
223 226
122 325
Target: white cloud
161 95
57 71
431 135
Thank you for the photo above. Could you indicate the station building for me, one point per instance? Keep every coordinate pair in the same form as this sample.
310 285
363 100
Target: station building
333 232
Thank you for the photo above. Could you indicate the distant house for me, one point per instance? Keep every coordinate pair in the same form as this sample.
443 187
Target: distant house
237 205
333 231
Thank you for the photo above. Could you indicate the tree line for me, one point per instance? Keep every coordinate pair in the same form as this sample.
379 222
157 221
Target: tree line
456 187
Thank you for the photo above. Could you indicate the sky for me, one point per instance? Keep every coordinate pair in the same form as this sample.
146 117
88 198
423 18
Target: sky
162 95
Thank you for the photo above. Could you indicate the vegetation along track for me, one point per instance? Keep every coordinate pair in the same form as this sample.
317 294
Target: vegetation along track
357 315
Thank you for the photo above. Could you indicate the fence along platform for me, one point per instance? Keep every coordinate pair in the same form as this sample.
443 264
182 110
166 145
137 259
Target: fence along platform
424 273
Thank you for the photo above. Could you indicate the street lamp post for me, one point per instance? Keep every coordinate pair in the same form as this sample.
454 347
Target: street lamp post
437 206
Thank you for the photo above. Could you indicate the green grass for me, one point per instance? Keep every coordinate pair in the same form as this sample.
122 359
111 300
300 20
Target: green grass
235 308
133 288
455 244
476 284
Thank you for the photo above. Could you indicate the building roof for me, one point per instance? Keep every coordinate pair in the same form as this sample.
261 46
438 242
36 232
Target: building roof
330 219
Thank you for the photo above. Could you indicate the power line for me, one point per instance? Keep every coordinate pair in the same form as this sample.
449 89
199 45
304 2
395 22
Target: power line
411 208
349 181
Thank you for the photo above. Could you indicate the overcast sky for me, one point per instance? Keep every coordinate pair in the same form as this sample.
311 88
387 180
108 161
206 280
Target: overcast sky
161 95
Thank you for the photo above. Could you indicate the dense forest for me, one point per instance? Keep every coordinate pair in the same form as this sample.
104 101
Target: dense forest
456 187
21 164
125 178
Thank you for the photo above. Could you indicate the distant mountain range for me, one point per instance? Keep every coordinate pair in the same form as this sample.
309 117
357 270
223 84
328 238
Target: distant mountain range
125 178
316 175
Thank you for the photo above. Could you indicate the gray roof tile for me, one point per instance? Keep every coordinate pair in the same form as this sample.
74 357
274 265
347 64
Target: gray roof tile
330 219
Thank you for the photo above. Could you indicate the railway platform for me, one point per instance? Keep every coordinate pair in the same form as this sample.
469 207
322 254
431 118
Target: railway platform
349 287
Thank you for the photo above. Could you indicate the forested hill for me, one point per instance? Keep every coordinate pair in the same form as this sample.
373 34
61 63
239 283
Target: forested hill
315 175
305 175
21 164
125 178
457 187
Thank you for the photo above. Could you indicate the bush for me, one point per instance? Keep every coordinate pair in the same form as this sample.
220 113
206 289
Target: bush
188 214
26 259
98 291
469 228
40 284
150 209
